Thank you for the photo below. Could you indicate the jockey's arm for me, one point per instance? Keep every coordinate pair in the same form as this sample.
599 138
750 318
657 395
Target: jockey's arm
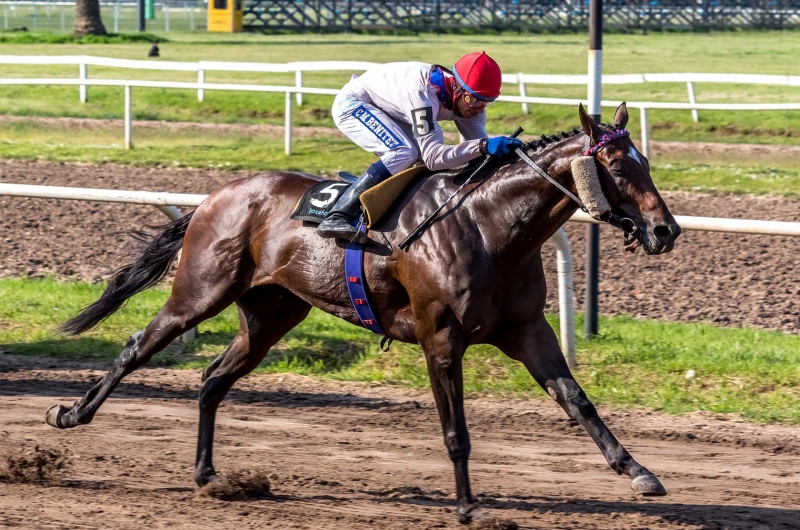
473 128
437 155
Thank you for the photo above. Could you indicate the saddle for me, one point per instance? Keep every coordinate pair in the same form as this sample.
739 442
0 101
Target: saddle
315 203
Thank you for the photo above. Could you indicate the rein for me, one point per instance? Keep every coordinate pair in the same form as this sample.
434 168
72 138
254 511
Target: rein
626 225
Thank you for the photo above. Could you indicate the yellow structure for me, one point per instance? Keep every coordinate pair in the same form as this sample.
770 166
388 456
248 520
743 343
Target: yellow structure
225 16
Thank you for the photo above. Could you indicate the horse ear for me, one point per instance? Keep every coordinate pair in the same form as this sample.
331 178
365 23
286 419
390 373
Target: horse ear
589 126
621 116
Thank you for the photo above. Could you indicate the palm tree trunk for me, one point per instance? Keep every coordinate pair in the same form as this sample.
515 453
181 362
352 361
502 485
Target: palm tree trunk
87 19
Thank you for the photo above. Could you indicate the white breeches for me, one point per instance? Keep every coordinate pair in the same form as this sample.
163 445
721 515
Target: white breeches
371 129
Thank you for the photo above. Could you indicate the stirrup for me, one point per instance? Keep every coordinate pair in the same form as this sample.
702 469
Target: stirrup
345 176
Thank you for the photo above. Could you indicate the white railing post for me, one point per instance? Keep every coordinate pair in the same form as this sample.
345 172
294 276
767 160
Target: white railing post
523 92
166 17
116 17
83 73
128 119
566 308
645 132
692 100
298 82
288 125
201 78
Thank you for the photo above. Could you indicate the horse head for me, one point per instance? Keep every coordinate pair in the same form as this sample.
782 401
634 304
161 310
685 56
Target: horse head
624 175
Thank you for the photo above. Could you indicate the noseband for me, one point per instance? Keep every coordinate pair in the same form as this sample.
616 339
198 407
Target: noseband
633 236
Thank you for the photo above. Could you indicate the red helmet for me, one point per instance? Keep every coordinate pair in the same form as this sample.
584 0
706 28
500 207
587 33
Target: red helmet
479 74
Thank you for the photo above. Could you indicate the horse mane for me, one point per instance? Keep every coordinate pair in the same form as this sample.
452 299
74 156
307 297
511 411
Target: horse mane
545 141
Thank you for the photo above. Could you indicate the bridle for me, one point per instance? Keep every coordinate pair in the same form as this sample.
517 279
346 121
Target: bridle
632 235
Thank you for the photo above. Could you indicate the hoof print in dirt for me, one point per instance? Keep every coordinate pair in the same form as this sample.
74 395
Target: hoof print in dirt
493 523
238 486
648 486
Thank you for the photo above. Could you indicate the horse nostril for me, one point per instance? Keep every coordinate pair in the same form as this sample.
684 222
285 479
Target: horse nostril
665 233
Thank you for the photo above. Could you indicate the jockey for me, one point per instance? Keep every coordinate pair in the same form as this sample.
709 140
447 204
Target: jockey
388 105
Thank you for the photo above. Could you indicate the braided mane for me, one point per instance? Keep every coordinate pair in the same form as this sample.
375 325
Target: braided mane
546 141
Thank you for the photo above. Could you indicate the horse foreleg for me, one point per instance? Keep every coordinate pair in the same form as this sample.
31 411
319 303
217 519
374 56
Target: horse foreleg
535 345
265 315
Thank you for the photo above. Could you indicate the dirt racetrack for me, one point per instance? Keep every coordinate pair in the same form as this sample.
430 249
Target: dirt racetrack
725 279
345 455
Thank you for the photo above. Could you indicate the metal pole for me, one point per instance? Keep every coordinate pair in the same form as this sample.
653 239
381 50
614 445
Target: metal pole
128 119
298 82
288 125
34 16
692 100
116 17
645 132
141 24
5 17
523 91
191 19
63 23
166 17
595 91
566 310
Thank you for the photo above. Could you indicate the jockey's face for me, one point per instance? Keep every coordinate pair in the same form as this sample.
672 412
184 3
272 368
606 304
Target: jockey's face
466 110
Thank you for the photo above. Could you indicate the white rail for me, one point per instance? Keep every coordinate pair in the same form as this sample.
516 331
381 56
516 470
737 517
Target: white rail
290 90
520 79
167 202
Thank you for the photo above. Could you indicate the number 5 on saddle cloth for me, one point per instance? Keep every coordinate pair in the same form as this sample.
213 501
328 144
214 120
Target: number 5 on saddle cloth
315 205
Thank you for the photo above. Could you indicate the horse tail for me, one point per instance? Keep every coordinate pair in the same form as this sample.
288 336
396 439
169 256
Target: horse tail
148 269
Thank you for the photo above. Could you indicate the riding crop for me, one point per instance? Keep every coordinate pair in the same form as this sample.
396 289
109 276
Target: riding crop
404 244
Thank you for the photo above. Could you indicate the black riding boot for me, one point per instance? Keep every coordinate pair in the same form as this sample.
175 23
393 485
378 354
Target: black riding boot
338 223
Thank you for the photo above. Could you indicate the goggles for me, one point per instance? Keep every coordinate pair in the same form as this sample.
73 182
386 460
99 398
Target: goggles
475 103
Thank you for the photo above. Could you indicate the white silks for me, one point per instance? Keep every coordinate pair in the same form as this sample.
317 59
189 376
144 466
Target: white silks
584 171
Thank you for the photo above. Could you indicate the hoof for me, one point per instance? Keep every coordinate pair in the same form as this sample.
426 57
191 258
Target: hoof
648 486
52 415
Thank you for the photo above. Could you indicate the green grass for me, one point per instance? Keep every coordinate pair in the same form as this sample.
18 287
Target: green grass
749 373
326 154
735 52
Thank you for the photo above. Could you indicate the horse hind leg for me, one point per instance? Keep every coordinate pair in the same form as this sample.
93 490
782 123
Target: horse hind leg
265 316
184 310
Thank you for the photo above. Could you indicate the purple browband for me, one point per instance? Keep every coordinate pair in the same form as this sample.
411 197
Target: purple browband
605 140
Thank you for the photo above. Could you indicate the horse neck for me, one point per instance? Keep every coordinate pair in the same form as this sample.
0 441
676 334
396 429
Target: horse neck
522 208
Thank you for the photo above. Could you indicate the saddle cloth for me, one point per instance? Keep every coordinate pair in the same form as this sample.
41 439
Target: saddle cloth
315 203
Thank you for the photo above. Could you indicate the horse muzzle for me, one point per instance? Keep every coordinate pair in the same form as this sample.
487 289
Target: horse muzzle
660 238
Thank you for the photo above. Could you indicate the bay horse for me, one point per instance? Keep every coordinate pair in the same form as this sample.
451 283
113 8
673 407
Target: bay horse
474 277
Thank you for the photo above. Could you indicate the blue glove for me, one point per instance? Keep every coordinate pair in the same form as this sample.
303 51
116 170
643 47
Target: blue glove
499 146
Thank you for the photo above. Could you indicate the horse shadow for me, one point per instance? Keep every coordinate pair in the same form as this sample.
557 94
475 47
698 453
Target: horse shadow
302 351
695 515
